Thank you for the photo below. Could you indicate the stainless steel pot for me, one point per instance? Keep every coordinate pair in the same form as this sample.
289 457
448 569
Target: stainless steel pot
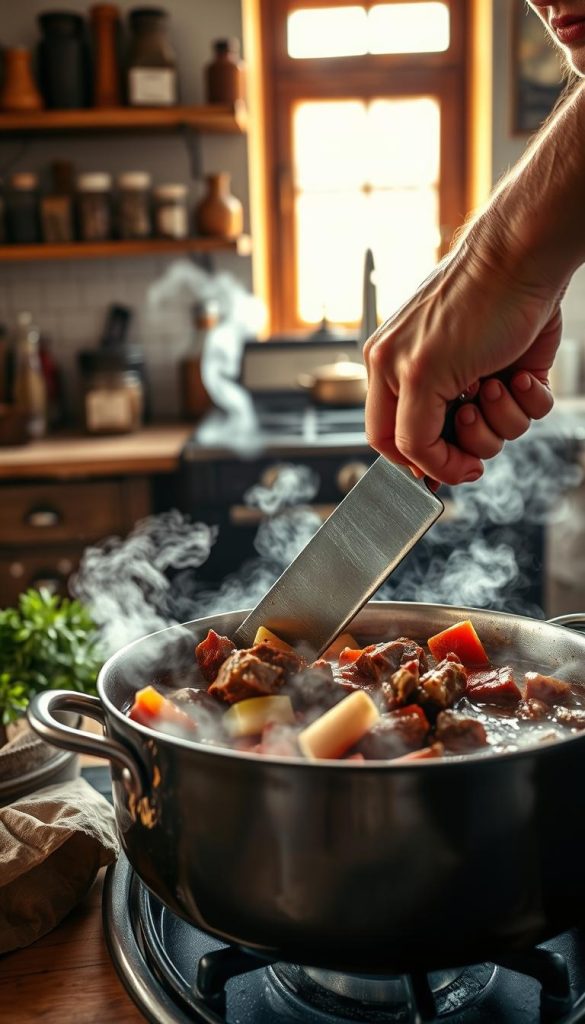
373 867
340 383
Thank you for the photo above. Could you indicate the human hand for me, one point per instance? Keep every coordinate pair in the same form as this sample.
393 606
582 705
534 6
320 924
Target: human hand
471 329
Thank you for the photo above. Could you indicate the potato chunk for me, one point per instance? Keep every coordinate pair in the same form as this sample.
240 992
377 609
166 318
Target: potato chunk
340 728
249 717
264 635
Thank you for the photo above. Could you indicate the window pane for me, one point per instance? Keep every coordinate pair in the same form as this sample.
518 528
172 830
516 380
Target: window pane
403 228
408 28
327 32
404 142
330 142
331 233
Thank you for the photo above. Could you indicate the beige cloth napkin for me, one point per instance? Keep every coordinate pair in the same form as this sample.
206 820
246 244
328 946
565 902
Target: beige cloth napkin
52 844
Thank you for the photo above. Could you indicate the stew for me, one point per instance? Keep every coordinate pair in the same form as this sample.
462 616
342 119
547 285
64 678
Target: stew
397 700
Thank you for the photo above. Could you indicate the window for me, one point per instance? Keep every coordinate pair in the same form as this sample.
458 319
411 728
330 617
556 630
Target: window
365 131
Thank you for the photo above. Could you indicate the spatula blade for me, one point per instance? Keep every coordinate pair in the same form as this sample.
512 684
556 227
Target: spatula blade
349 557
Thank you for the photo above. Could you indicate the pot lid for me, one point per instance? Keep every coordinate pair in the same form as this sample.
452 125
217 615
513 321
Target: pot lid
342 369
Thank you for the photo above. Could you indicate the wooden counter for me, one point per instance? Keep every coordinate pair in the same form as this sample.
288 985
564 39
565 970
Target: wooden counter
66 977
154 449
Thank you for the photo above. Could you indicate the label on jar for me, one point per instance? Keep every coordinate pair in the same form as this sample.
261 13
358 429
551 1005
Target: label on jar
172 221
152 87
107 409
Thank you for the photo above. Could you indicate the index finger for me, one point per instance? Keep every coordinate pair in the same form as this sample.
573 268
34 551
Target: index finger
420 419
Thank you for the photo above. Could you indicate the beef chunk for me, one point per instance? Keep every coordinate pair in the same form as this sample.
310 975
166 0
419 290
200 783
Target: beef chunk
460 733
546 688
314 688
288 661
493 686
443 685
398 690
244 675
380 661
212 652
395 733
573 717
532 710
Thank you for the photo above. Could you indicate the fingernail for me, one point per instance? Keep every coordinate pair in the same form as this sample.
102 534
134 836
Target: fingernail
471 477
492 390
467 415
523 382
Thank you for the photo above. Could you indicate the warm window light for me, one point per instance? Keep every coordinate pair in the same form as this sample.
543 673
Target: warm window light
328 32
366 174
408 28
352 31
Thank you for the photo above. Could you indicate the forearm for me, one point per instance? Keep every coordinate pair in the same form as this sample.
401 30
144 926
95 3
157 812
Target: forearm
534 222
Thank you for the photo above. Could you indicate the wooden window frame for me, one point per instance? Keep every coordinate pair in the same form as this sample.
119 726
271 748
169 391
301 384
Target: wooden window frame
289 81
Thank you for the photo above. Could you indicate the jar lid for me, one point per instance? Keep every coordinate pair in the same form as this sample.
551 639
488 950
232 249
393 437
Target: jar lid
134 180
62 22
137 13
24 180
121 358
104 11
171 191
96 181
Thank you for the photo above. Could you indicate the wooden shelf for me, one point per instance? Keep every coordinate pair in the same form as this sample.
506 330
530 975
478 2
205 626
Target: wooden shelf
214 118
108 250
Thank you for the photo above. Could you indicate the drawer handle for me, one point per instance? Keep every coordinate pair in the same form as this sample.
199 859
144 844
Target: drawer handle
42 518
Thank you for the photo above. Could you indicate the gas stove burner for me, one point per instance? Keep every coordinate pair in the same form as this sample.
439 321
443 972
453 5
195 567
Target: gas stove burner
177 974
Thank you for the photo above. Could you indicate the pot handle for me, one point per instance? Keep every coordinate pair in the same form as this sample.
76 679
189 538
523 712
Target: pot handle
573 620
41 716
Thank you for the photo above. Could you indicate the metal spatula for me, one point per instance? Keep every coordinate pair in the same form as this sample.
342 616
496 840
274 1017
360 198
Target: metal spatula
358 546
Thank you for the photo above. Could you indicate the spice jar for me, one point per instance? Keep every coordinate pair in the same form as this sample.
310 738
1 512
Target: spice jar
105 31
134 220
225 75
152 67
22 209
63 60
113 392
171 215
94 206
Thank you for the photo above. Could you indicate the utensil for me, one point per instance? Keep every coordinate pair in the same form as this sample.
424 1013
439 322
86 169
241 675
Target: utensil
350 556
370 311
341 383
372 867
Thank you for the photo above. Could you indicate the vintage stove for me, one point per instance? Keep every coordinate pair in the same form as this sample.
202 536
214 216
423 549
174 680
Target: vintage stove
177 974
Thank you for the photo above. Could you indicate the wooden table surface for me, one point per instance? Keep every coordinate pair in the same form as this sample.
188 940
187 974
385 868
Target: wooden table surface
66 977
154 449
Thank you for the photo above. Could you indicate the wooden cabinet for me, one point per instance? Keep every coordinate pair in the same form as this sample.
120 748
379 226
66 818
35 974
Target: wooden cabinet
46 526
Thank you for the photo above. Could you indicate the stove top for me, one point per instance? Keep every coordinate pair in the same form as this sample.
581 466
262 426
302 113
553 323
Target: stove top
177 974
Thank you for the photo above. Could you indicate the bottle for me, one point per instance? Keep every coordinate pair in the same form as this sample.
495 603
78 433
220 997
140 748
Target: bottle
29 393
19 90
23 225
195 401
225 75
63 60
105 30
219 213
152 67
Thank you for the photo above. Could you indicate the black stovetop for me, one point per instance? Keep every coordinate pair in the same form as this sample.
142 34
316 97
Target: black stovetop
177 974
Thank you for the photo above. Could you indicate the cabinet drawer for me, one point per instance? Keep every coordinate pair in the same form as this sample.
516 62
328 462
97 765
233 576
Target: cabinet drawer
49 567
79 512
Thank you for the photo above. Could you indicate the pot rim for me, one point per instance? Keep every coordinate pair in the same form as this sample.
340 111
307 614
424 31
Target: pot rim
454 763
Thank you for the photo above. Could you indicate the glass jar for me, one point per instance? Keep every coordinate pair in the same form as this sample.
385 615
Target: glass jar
134 220
113 392
63 60
22 209
171 216
225 75
152 67
94 207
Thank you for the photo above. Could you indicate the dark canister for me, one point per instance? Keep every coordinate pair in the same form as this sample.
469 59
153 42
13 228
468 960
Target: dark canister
63 60
23 226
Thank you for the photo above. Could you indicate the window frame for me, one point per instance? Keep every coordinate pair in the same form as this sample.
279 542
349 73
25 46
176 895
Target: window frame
291 80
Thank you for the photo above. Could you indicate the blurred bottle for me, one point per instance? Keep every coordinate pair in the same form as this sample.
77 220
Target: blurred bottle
56 410
194 398
29 392
105 31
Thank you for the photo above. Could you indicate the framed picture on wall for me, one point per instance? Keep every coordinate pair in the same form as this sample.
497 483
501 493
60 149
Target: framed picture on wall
538 75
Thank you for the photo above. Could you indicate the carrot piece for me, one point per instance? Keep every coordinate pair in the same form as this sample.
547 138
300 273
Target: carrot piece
349 655
462 640
152 709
